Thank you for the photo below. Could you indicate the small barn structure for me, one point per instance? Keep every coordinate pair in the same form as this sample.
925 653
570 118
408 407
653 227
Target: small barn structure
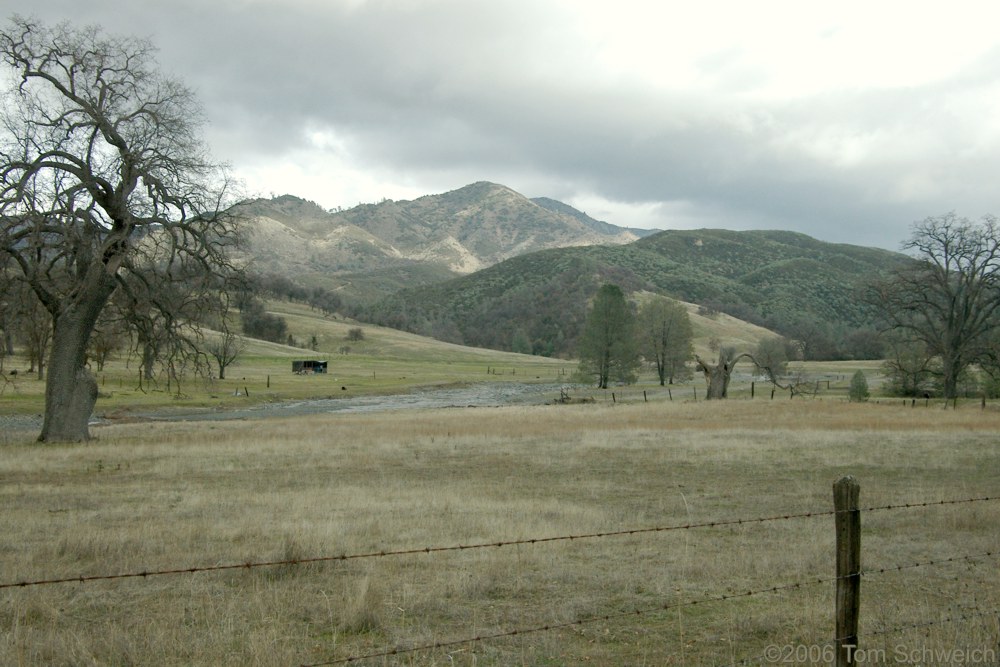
308 366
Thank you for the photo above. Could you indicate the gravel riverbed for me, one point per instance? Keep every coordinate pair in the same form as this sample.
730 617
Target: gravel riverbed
478 395
20 422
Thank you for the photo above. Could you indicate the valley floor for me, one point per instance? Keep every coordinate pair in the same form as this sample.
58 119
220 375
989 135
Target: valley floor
668 532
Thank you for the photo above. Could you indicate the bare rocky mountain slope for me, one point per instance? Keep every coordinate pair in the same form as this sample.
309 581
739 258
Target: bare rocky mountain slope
373 248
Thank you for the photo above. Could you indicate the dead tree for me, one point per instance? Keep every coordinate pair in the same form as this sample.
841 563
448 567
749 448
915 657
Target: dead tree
718 375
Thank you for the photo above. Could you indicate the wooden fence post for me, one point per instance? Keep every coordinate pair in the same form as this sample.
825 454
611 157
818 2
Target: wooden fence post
846 492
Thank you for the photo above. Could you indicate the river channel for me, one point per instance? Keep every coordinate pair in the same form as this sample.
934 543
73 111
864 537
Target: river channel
476 395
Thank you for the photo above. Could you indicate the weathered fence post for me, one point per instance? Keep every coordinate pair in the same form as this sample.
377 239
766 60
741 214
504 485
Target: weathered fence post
846 492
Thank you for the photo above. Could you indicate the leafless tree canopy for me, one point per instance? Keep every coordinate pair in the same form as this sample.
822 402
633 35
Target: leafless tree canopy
103 174
949 298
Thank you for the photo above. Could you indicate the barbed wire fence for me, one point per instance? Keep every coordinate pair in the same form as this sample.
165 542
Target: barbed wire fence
845 648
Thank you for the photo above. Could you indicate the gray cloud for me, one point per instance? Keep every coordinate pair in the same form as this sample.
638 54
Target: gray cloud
426 96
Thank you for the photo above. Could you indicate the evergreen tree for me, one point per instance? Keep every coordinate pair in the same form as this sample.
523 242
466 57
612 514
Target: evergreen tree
608 346
859 388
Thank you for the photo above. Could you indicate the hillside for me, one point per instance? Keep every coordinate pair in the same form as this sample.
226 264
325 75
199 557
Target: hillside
381 343
375 249
785 281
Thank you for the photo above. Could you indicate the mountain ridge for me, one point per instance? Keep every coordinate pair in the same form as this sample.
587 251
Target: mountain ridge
482 265
463 231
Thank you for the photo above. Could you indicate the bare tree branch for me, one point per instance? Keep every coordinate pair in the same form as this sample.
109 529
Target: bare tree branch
103 175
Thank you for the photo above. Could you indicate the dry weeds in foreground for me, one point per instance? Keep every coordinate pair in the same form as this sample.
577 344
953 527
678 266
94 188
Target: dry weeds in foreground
201 494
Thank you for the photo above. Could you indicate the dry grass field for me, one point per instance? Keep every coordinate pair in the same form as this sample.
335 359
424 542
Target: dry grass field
160 496
385 361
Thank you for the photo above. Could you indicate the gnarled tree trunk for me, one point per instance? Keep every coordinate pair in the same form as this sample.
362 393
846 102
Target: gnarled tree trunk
71 390
717 376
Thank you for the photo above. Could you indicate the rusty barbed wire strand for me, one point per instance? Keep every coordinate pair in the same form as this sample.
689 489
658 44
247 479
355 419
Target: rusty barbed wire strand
930 503
867 572
407 552
463 547
965 616
568 624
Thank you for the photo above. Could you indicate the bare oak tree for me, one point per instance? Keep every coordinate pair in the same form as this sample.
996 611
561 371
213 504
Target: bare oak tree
948 300
225 348
102 171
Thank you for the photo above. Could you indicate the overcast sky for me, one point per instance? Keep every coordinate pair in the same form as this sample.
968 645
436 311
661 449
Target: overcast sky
847 121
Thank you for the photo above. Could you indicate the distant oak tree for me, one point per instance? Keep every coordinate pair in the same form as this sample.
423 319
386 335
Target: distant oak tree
948 298
225 349
666 337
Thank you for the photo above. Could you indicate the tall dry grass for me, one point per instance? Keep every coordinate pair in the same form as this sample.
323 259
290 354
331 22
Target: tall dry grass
162 496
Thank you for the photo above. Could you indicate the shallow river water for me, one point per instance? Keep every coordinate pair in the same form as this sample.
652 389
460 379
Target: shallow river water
477 395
